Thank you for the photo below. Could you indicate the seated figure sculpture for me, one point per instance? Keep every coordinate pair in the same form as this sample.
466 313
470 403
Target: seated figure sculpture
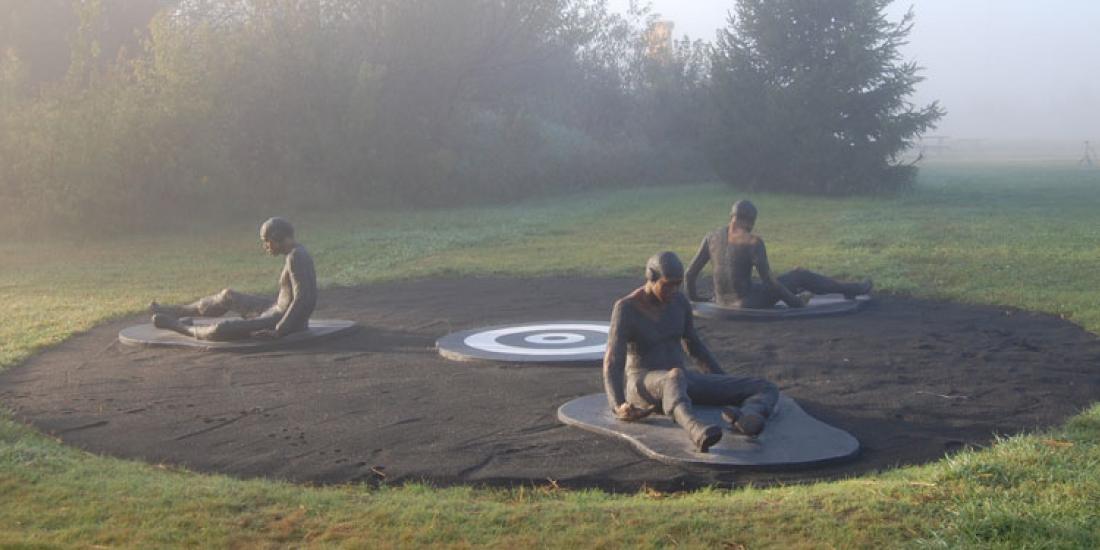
736 251
261 318
644 370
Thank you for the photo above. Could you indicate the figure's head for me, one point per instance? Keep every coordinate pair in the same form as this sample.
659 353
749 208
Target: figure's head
277 235
743 214
664 274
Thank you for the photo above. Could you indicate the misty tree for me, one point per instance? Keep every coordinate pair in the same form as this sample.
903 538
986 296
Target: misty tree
813 96
143 113
42 32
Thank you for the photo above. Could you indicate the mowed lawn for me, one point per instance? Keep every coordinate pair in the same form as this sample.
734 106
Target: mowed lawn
1017 235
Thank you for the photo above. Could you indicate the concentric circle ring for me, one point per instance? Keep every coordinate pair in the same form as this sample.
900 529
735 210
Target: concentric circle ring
489 339
545 342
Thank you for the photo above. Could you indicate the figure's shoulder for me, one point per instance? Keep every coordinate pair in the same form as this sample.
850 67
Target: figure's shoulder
751 240
299 256
743 239
718 234
629 300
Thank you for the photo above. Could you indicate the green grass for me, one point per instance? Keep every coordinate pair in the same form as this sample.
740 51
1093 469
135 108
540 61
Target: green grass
1022 236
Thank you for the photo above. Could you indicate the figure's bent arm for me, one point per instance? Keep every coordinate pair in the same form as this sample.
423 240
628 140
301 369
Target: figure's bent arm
694 269
303 281
614 360
760 260
696 349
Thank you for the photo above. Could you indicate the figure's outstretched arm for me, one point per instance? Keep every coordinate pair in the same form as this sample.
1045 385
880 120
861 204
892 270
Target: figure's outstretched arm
303 281
760 260
694 269
614 360
696 349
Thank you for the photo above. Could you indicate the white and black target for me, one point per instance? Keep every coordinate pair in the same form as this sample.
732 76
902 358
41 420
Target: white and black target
552 342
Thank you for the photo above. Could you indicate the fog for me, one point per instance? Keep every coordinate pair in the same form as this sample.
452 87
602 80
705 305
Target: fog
1003 69
238 108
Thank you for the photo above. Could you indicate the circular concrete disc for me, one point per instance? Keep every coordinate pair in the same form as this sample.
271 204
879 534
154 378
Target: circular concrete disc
792 437
549 342
148 335
819 306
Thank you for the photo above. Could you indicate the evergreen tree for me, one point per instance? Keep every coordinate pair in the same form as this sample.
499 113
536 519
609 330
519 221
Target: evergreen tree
812 96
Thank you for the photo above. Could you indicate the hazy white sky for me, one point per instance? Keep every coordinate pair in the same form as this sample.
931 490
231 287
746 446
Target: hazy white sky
1014 69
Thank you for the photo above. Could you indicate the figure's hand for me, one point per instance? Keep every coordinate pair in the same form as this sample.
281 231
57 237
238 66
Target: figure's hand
630 413
803 299
267 334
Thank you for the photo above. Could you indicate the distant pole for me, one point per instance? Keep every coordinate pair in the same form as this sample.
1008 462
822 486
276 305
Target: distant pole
1087 160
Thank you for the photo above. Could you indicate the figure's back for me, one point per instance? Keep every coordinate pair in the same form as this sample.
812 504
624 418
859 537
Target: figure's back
733 259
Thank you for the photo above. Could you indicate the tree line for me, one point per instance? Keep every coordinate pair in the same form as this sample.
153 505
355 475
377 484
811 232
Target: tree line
127 114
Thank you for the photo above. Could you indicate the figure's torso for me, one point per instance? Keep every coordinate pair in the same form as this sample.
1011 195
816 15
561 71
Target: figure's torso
655 340
299 265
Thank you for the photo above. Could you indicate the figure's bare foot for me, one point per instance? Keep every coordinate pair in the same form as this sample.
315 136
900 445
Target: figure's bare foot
750 424
860 289
706 438
731 414
170 322
165 321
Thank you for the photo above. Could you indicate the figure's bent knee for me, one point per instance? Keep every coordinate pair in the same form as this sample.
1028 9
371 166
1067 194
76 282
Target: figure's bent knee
676 374
769 388
768 397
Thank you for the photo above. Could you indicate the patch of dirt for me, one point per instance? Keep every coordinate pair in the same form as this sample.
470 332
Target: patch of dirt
911 379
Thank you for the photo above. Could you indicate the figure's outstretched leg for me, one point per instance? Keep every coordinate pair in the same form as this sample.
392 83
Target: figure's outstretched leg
235 329
800 280
217 305
748 401
672 389
225 331
761 297
170 322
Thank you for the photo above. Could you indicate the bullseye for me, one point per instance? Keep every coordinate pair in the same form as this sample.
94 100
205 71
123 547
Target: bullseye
554 338
544 342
